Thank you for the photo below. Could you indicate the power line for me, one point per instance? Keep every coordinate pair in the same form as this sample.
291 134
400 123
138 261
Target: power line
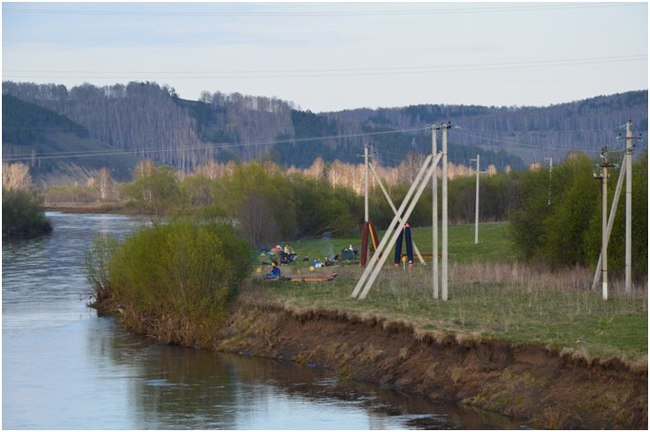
528 145
316 13
321 73
201 146
390 156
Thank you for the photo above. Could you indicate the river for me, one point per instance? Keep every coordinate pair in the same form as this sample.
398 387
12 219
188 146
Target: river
65 368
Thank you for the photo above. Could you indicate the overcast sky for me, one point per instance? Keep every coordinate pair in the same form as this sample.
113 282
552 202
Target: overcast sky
333 56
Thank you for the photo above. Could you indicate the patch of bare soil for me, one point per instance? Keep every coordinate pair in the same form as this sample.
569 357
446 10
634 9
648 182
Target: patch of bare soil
540 387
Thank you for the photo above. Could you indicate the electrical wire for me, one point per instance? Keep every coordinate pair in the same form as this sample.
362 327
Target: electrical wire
384 154
321 73
530 145
317 13
201 146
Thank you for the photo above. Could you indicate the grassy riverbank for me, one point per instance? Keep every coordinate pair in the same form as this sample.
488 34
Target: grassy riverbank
491 296
532 344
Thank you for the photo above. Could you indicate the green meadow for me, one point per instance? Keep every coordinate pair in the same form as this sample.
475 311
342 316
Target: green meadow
492 295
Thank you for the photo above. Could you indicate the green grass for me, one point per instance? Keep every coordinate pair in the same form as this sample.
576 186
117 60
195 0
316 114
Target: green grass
491 296
494 243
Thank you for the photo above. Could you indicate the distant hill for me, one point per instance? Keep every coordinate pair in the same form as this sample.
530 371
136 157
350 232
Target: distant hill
150 121
55 147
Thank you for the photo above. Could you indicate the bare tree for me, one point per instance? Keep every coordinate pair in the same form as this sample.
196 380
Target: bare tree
16 176
143 169
317 168
104 183
409 167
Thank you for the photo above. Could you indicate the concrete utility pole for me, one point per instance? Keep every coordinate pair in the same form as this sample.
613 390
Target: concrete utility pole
434 211
445 237
365 179
629 146
610 222
605 239
604 164
550 177
388 241
476 212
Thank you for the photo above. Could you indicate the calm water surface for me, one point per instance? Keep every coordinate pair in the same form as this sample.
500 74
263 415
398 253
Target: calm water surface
64 368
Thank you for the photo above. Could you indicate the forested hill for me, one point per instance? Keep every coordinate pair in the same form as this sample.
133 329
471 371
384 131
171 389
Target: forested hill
55 147
150 121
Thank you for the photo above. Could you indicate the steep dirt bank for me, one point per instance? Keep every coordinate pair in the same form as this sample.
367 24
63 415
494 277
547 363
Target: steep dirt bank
541 387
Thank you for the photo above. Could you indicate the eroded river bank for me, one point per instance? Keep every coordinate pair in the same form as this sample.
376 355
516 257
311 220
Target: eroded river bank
538 387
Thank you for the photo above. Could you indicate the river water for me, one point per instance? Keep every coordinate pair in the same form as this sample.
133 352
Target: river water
65 368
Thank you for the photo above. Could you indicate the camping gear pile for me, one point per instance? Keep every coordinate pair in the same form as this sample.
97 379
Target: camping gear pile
277 256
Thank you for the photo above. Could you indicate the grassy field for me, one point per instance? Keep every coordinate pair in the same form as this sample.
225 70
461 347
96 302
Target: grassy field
494 244
491 296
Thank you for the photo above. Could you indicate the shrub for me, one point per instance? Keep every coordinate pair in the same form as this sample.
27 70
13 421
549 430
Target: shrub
23 214
322 208
567 231
259 196
154 192
183 269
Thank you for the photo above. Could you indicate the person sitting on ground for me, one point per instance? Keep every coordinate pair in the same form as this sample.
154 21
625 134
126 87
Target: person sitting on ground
275 272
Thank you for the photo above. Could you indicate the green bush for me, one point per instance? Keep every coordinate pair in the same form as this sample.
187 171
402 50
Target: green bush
567 231
322 208
183 269
616 249
572 209
156 193
259 196
23 214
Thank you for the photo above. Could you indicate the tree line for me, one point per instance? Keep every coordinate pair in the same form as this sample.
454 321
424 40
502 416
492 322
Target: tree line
555 219
558 221
152 122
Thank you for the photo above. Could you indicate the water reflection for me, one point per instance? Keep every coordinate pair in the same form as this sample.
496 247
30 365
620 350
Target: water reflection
64 368
180 388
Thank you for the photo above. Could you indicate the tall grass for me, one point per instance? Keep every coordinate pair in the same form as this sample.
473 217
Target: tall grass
96 261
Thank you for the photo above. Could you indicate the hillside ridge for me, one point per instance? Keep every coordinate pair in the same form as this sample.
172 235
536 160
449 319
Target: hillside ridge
147 120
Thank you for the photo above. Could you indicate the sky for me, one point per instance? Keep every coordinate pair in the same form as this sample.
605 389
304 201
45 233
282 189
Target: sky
335 56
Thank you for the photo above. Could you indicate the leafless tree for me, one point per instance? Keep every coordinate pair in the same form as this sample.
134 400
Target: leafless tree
104 184
16 176
256 221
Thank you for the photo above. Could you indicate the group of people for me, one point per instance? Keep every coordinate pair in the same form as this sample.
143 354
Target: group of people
285 256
